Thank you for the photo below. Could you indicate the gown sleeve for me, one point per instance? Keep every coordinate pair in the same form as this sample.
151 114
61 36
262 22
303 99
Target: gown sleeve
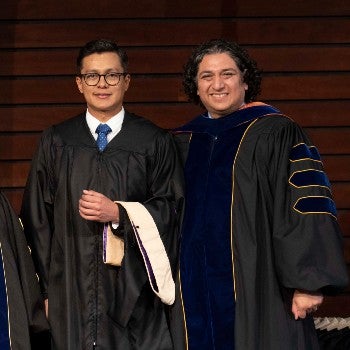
155 222
166 193
163 209
307 240
37 208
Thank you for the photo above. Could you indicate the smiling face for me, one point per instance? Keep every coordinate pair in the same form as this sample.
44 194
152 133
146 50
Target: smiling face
103 100
220 84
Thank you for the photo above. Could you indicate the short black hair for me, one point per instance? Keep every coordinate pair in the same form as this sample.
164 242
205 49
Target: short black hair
247 66
100 46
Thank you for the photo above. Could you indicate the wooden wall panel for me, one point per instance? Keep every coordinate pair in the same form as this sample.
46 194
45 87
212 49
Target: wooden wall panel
331 140
338 306
302 47
14 174
264 31
14 195
337 167
341 194
18 146
344 221
41 9
311 113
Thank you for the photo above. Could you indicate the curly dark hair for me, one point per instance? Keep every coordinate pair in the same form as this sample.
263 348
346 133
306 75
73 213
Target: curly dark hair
100 46
248 67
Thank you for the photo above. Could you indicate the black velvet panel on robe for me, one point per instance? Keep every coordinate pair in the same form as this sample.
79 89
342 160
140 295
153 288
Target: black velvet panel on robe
91 303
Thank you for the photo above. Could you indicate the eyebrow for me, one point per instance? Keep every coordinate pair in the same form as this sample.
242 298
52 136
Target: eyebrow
108 70
222 70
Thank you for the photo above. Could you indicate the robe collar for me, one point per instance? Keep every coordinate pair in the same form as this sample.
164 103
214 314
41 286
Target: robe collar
245 114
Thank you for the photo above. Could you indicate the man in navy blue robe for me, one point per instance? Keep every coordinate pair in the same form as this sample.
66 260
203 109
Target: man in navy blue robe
260 240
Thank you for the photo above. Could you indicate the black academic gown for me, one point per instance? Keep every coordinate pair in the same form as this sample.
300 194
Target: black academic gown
21 304
93 305
259 223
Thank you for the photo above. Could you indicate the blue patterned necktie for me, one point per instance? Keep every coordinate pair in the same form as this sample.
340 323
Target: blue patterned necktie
102 131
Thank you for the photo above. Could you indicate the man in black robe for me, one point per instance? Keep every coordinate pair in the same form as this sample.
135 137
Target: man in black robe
76 175
21 304
260 243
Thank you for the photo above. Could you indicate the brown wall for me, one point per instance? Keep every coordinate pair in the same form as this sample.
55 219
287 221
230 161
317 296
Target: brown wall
302 46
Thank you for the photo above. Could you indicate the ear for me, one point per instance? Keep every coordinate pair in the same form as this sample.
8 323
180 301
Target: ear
245 86
79 84
127 80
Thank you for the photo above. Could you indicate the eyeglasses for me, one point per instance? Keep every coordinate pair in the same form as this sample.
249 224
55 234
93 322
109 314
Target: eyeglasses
92 79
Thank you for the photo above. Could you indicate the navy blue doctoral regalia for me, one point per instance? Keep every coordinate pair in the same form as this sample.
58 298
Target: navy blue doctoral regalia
260 222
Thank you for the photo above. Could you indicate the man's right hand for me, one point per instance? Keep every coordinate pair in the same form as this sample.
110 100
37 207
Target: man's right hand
95 206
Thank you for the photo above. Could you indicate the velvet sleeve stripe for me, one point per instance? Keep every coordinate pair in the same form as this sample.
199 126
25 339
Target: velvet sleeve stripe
309 177
153 251
302 152
315 205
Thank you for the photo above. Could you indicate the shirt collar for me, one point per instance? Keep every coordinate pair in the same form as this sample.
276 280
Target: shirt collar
115 123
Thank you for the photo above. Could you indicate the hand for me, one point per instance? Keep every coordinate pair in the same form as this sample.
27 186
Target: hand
95 206
305 302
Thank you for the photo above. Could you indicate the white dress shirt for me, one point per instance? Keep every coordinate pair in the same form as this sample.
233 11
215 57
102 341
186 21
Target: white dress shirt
115 123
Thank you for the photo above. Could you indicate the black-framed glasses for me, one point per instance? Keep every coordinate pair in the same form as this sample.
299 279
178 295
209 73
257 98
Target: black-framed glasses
112 78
